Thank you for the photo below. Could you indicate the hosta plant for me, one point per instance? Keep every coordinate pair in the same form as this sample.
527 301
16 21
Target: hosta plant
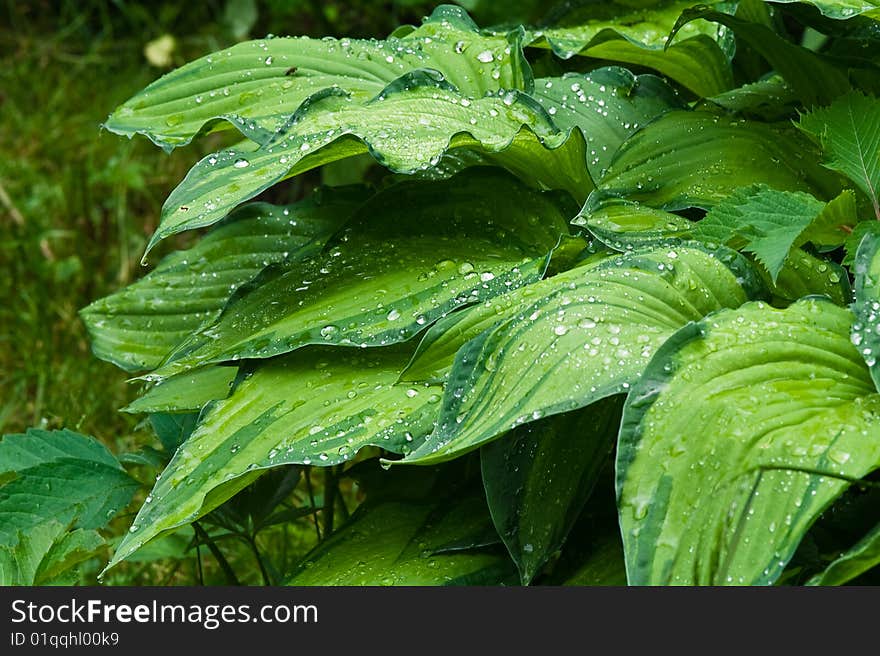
604 308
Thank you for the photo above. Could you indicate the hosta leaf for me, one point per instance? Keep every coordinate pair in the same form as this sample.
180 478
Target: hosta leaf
697 159
538 477
394 543
866 327
733 441
607 105
590 336
138 326
803 274
624 226
849 131
317 406
839 9
189 391
813 78
414 254
861 557
61 476
408 127
763 221
256 85
47 555
771 99
617 31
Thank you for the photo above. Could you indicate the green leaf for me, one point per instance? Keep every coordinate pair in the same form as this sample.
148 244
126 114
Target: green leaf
607 105
697 159
589 336
412 255
762 221
394 543
866 308
61 476
254 86
849 131
860 558
735 439
189 391
538 477
618 31
47 555
854 240
408 127
770 99
318 406
138 326
803 274
839 9
813 78
624 226
604 566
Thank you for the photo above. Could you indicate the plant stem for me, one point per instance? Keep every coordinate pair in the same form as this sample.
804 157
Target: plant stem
215 551
330 489
312 501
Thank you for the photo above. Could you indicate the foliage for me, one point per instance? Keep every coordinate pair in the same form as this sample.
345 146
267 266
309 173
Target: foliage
460 347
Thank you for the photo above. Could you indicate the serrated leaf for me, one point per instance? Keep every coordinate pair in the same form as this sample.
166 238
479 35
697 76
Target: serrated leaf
618 31
763 221
412 255
408 127
849 131
697 159
61 476
401 539
254 86
137 327
589 337
734 440
607 105
189 391
316 406
538 477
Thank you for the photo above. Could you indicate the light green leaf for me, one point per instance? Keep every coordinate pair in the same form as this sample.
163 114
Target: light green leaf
762 221
137 327
813 78
866 308
407 128
412 255
588 337
607 105
254 86
860 558
188 391
317 406
697 159
61 476
618 31
538 477
849 131
394 543
47 555
735 439
625 226
839 9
